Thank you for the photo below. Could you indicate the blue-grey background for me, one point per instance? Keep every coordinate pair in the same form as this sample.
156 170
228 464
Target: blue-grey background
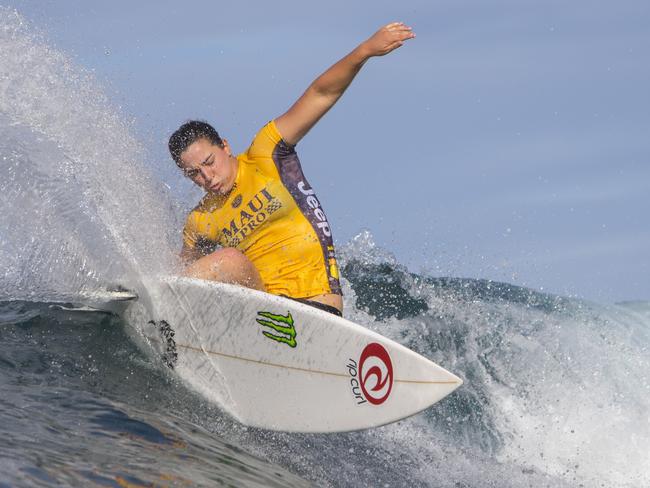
510 140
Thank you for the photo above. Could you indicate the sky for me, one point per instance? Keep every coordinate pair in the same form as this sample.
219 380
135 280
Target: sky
509 141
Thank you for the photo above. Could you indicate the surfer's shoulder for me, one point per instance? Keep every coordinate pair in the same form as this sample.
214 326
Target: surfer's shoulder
208 203
264 142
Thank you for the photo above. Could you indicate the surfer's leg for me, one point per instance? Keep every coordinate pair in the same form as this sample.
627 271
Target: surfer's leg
226 265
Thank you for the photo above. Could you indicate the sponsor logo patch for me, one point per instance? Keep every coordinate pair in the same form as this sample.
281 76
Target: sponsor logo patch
371 378
252 214
314 205
281 325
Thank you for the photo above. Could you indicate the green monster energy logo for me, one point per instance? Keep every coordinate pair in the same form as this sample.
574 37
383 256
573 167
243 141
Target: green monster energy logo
280 324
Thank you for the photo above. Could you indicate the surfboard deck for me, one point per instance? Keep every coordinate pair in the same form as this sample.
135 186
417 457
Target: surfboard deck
277 364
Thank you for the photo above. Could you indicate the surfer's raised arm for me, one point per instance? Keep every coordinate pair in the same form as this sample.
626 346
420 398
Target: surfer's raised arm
325 91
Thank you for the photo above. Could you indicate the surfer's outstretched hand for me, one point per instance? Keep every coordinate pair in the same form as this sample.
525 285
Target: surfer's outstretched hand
325 90
387 39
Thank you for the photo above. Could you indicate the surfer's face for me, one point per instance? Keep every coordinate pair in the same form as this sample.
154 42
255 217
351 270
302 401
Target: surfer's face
210 166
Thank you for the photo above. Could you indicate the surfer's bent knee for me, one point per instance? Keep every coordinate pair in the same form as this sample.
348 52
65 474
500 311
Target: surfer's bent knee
227 265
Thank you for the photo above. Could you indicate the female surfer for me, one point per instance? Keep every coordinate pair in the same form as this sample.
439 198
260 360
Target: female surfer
260 223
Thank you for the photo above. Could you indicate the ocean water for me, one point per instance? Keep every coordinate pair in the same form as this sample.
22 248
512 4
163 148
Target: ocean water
556 392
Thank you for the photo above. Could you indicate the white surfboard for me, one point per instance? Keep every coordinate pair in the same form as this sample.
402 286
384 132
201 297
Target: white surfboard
274 363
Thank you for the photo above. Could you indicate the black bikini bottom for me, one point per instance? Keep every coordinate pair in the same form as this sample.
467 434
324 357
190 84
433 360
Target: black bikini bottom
320 306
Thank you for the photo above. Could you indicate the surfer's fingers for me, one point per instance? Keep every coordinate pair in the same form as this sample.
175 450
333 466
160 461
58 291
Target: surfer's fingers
401 33
398 26
388 38
405 34
398 39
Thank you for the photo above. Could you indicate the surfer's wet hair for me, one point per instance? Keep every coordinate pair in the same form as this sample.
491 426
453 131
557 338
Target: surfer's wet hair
189 133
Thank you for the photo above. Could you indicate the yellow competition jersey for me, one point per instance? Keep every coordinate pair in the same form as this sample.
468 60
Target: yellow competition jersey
273 216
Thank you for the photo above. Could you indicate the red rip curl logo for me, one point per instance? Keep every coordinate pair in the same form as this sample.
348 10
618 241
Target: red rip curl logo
375 373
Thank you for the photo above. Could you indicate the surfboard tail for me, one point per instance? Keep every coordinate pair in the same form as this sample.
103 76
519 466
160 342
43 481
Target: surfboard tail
110 300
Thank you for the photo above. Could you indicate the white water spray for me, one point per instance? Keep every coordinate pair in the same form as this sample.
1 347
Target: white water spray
78 207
